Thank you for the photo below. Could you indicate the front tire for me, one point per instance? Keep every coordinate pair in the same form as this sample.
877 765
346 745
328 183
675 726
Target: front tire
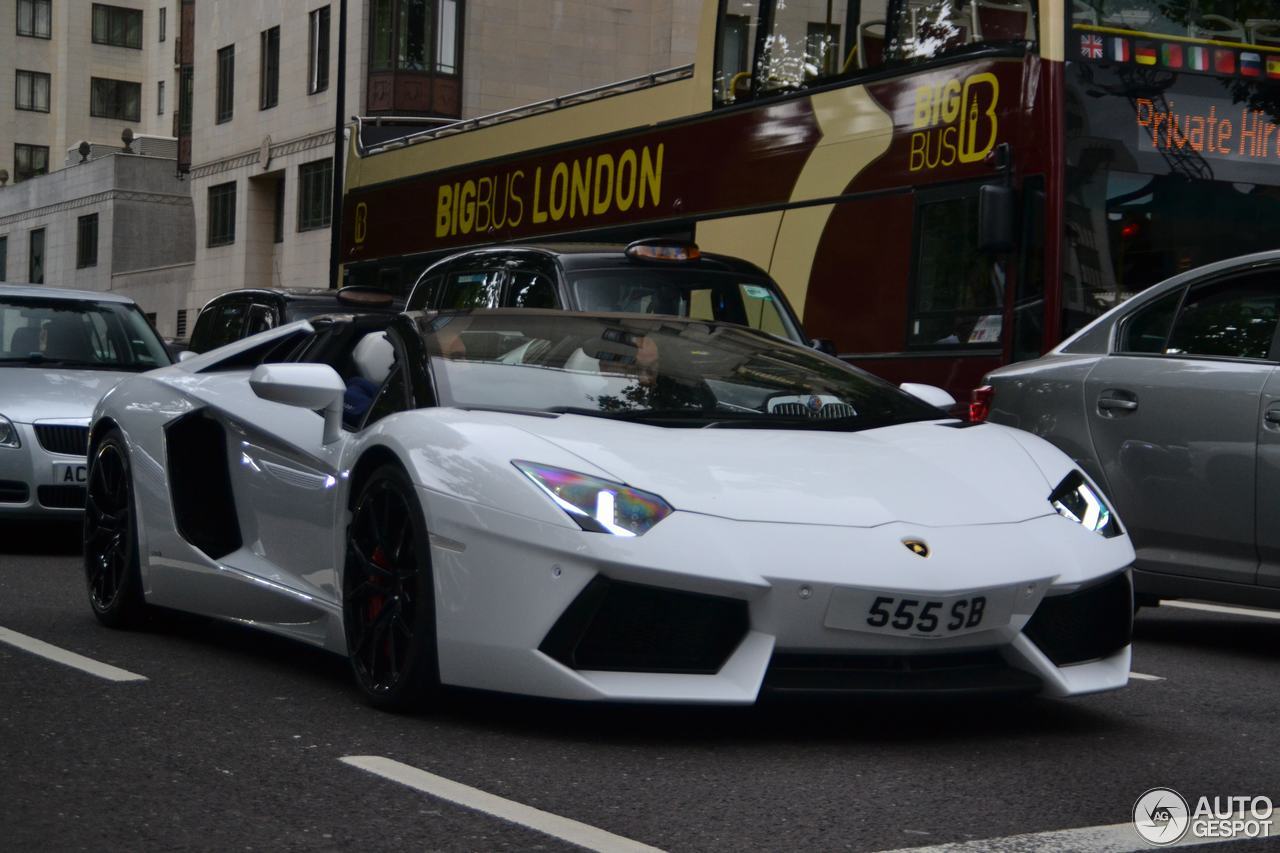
388 602
111 537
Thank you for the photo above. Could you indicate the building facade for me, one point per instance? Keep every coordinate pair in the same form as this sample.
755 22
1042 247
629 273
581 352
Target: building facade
73 72
244 94
120 222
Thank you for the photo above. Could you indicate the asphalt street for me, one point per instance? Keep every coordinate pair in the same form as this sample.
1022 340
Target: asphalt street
235 741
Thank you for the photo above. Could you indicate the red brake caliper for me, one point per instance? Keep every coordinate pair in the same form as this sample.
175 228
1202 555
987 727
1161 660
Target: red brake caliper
376 601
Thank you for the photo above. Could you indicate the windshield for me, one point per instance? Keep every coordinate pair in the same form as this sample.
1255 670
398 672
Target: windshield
701 295
665 371
75 333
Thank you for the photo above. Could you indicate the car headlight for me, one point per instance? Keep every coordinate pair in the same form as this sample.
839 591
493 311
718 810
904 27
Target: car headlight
1076 500
8 433
599 506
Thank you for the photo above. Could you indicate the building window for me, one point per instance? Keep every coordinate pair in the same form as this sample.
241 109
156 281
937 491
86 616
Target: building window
447 37
29 161
151 315
4 258
116 26
162 23
35 257
33 91
117 99
87 241
160 98
418 34
222 214
34 17
315 194
278 223
226 82
181 330
318 61
269 78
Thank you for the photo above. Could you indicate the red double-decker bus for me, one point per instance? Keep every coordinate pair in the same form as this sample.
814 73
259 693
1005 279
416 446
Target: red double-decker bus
939 187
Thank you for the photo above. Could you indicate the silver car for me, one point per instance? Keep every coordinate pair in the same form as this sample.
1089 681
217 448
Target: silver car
1171 401
60 351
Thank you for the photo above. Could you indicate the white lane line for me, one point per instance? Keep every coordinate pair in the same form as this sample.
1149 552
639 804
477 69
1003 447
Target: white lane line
1222 608
1142 676
1116 838
473 798
66 658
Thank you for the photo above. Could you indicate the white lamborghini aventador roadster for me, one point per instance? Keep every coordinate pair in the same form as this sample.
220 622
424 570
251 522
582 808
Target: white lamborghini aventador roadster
616 507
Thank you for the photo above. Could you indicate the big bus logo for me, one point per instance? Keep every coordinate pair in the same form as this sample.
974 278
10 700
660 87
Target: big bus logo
955 122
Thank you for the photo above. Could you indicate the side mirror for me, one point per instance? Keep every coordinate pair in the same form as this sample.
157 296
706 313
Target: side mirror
997 219
931 394
186 354
826 346
307 386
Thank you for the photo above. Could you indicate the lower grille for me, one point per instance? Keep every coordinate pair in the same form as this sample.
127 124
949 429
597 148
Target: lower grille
57 438
629 627
1089 624
61 497
957 672
13 492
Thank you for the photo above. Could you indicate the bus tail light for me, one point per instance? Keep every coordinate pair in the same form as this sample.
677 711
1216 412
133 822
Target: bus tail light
980 403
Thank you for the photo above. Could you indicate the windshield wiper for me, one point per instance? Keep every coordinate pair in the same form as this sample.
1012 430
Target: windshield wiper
40 359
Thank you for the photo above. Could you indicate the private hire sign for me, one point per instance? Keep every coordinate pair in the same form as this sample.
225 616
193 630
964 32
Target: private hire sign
1195 125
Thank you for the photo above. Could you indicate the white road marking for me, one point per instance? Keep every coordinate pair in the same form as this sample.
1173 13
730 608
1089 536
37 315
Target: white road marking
66 658
473 798
1116 838
1142 676
1222 608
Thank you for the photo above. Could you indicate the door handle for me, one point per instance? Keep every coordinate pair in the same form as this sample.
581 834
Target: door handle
1272 416
1113 401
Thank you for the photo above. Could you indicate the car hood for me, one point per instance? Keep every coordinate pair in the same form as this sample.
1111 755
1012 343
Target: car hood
30 394
929 473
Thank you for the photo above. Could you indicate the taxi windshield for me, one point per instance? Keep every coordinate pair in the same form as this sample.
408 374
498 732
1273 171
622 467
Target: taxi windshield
663 371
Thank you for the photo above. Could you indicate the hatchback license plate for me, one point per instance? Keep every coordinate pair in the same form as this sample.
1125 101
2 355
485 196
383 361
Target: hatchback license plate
70 473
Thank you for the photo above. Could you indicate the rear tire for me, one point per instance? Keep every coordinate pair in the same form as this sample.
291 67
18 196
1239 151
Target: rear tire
388 600
111 561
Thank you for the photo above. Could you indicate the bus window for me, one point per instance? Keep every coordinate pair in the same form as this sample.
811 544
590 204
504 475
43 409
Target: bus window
472 290
733 54
813 43
958 297
1028 297
1126 231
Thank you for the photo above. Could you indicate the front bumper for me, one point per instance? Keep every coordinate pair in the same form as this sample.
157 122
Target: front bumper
507 589
28 488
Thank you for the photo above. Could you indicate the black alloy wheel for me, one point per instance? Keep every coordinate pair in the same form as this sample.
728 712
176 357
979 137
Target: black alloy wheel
388 605
111 537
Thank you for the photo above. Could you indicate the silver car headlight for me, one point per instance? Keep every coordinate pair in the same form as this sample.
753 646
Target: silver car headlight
1077 501
598 506
8 433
